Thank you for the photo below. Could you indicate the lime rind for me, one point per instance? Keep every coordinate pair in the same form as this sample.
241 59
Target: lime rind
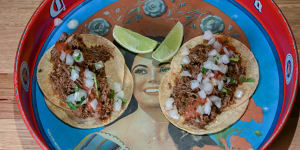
133 41
169 47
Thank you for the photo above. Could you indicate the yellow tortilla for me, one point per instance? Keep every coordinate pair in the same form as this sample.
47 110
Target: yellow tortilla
115 73
232 113
68 117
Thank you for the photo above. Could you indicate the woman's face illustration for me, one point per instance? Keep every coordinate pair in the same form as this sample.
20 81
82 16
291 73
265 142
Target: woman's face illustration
147 74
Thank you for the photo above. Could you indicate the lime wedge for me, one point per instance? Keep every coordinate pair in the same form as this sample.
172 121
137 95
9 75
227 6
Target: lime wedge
169 47
133 41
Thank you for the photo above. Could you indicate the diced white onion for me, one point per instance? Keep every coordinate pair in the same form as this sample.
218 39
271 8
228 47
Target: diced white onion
94 104
78 95
226 51
238 93
185 52
117 87
88 74
174 113
220 85
69 60
74 97
194 84
217 45
219 61
185 60
200 110
225 59
117 105
208 87
62 56
208 35
77 56
214 81
169 103
223 68
218 104
185 74
216 100
74 74
89 83
227 80
199 77
119 95
211 41
77 68
205 80
201 86
210 65
211 58
202 94
99 65
207 107
213 53
210 74
71 98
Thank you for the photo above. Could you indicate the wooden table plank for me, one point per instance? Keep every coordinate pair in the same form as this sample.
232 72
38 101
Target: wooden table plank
14 15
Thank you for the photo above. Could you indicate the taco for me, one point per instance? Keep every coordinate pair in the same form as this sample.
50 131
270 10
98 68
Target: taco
209 84
69 118
85 76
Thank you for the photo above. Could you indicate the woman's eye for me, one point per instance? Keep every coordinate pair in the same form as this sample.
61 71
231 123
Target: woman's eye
140 71
164 69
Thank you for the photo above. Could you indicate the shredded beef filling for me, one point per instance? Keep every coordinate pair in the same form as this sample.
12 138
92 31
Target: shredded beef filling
60 76
187 100
64 86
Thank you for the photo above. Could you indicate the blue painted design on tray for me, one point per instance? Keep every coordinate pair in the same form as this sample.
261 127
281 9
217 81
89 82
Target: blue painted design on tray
213 23
99 26
154 8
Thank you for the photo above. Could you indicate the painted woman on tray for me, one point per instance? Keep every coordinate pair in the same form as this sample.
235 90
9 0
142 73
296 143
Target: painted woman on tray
143 125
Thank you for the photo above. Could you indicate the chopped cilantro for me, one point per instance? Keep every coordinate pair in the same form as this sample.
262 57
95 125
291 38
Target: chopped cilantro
204 70
224 90
235 59
112 93
81 101
71 105
40 70
232 81
73 67
77 58
96 85
123 100
76 88
217 57
244 79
